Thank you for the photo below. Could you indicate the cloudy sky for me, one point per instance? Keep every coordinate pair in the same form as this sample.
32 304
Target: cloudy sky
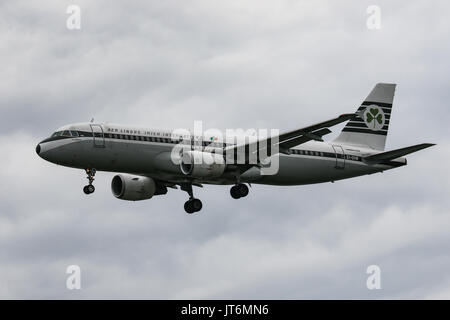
231 64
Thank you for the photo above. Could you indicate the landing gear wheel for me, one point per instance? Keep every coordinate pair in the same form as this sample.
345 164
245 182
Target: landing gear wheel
235 194
188 207
239 191
193 205
89 189
243 189
197 205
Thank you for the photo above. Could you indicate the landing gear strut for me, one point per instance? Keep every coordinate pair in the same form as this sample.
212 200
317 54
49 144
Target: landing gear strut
239 191
90 176
193 204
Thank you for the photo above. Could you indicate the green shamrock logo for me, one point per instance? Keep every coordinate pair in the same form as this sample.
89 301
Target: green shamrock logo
373 116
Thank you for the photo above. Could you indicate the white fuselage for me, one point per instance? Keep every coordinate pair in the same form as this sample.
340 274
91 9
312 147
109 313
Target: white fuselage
147 152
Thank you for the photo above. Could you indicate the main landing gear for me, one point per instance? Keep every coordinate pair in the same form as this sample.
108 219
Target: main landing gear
90 176
239 191
193 204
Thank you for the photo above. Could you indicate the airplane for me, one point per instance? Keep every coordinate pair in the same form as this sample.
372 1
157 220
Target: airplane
143 157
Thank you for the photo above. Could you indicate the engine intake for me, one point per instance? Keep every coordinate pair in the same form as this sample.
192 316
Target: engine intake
133 188
200 164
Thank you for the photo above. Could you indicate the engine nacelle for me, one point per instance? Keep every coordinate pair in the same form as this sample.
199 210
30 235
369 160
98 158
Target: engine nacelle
200 164
133 188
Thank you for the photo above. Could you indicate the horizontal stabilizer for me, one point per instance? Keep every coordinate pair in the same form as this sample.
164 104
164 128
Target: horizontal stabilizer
394 154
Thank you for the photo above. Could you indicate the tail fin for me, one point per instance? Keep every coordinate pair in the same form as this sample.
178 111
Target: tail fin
371 128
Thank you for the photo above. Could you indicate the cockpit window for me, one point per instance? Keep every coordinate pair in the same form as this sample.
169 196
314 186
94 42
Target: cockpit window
66 133
57 134
74 133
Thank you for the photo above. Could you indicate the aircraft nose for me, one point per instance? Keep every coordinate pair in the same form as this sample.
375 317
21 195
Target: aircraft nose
38 149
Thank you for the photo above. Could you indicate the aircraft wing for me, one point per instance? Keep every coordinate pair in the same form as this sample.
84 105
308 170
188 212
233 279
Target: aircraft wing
290 139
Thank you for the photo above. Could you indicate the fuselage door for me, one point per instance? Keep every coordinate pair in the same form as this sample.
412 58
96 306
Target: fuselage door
98 135
340 157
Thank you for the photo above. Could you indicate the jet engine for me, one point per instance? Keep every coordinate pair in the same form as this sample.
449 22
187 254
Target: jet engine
200 164
133 188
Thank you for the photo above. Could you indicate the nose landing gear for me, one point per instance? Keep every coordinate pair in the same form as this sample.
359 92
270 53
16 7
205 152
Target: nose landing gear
88 189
